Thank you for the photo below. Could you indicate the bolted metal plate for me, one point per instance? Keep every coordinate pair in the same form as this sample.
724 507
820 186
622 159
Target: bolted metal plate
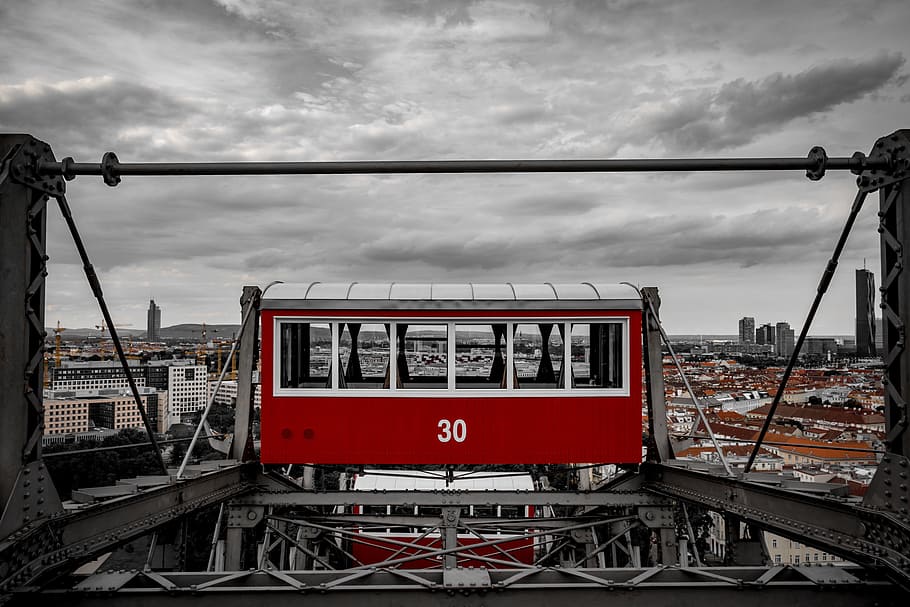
583 536
106 581
656 517
244 516
828 574
24 168
466 578
895 148
890 487
34 498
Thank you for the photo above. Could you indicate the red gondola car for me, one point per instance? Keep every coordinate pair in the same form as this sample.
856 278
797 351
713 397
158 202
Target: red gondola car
401 373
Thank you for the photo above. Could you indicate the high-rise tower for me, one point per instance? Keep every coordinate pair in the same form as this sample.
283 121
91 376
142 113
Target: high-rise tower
784 339
766 334
154 322
747 330
865 313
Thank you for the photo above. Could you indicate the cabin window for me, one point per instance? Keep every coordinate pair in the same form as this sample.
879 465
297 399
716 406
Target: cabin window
511 511
386 355
480 353
538 355
597 355
364 352
423 356
373 510
305 351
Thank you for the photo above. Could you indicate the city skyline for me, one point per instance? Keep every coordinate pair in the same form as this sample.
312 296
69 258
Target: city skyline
442 80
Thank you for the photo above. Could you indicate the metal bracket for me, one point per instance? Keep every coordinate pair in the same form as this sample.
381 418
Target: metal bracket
890 488
24 168
309 533
655 517
450 516
244 517
583 536
895 150
34 497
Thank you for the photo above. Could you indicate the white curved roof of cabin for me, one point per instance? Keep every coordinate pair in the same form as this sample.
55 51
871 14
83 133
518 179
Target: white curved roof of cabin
437 291
447 296
419 480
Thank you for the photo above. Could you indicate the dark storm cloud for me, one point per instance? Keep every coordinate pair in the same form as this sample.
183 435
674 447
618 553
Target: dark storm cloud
558 204
762 237
741 110
445 253
283 80
88 111
269 259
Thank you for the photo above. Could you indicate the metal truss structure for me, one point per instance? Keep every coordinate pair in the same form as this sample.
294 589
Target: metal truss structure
277 538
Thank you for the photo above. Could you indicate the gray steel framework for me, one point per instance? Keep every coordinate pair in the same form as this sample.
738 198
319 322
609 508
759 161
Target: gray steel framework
590 525
38 550
743 586
894 226
863 535
23 263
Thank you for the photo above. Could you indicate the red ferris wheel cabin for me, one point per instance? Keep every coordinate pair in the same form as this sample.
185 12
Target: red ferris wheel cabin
405 373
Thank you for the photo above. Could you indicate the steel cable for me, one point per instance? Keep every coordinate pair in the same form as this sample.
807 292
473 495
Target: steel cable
95 285
819 294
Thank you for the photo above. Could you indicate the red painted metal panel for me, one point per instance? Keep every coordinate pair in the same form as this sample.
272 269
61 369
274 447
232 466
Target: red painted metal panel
515 429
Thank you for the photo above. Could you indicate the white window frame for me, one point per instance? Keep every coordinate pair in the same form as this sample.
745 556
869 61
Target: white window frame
450 392
508 356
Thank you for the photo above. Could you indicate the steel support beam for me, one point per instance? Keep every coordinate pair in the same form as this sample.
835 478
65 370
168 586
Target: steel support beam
37 551
659 447
894 226
242 445
591 499
26 493
861 535
684 587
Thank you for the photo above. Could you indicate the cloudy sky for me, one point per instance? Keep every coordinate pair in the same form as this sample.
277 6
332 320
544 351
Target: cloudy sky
159 80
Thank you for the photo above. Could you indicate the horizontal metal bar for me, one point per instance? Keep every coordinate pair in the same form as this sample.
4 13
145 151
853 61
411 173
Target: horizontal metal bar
451 498
833 447
365 167
384 521
187 439
511 588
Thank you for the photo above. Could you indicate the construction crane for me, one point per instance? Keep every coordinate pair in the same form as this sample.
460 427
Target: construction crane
47 376
57 340
103 327
201 352
220 358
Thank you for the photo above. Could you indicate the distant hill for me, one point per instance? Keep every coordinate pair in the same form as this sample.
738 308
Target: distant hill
193 332
85 332
184 332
